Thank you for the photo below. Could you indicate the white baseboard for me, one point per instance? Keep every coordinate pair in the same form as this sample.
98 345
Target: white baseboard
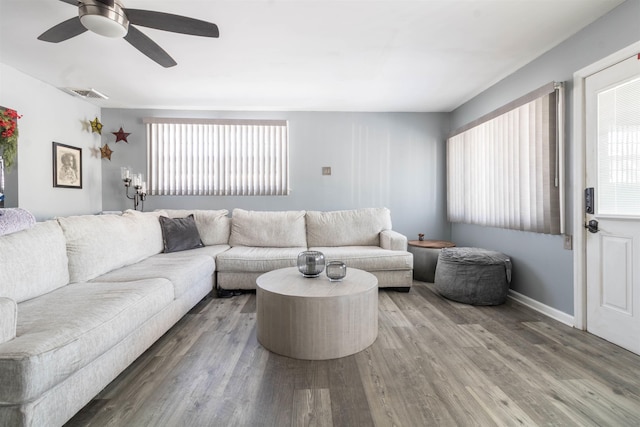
558 315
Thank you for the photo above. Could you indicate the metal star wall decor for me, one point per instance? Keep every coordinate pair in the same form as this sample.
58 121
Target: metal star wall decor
96 126
121 135
106 151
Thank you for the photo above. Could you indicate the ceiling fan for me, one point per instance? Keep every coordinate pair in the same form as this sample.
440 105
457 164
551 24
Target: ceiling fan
109 18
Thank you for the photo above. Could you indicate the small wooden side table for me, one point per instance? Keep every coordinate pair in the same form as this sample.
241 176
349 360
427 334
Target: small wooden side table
425 257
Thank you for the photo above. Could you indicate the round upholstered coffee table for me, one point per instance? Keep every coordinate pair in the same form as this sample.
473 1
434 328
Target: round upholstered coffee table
313 318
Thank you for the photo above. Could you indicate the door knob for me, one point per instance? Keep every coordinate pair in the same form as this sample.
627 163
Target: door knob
592 226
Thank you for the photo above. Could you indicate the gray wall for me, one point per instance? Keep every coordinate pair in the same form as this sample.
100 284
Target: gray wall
377 159
543 270
48 115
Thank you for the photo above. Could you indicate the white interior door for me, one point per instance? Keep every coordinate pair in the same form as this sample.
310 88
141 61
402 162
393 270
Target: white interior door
613 171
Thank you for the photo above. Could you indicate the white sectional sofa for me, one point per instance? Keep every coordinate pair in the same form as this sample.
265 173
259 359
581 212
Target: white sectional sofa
82 297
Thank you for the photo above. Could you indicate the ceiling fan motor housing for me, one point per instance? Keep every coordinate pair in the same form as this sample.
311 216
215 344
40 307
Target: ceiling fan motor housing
103 19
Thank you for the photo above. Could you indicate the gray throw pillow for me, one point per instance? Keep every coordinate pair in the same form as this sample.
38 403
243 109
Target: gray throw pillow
180 234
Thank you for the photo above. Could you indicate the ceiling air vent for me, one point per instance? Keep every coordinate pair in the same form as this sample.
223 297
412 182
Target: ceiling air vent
86 93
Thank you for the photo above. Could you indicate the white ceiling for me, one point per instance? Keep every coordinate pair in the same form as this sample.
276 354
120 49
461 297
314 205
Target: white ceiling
301 55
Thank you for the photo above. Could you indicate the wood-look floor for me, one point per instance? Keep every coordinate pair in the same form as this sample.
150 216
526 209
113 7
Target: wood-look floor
435 362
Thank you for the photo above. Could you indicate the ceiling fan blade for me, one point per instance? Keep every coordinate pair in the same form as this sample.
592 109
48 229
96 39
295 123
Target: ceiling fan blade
173 23
150 48
63 31
72 2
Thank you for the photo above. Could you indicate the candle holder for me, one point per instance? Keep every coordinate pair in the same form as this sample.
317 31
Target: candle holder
139 185
310 263
336 271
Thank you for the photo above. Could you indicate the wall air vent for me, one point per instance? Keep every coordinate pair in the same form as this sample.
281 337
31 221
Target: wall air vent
86 93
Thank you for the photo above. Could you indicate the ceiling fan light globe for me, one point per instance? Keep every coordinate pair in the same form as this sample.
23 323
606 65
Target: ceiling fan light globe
103 20
103 26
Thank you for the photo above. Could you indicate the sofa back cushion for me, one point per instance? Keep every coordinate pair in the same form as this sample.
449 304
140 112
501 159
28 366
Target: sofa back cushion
214 226
97 244
282 229
360 227
34 262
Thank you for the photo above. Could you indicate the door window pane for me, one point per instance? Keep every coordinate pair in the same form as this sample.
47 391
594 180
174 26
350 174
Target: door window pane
619 150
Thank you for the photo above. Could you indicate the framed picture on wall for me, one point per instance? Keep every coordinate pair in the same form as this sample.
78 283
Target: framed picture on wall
67 166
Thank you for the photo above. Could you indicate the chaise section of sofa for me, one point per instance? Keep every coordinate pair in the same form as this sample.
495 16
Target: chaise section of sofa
91 293
65 330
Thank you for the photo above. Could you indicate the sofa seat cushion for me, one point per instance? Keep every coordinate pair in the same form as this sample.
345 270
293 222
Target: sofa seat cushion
34 262
242 258
368 258
182 272
60 332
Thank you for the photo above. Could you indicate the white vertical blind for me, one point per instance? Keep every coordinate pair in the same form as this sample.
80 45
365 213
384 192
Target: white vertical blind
505 169
217 157
619 150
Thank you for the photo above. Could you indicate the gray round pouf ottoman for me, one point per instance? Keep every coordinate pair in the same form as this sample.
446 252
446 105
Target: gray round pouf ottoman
473 275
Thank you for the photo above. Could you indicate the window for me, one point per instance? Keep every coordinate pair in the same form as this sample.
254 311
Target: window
217 157
505 169
619 150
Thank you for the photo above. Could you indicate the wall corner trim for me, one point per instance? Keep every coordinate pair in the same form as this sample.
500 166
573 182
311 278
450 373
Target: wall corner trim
542 308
